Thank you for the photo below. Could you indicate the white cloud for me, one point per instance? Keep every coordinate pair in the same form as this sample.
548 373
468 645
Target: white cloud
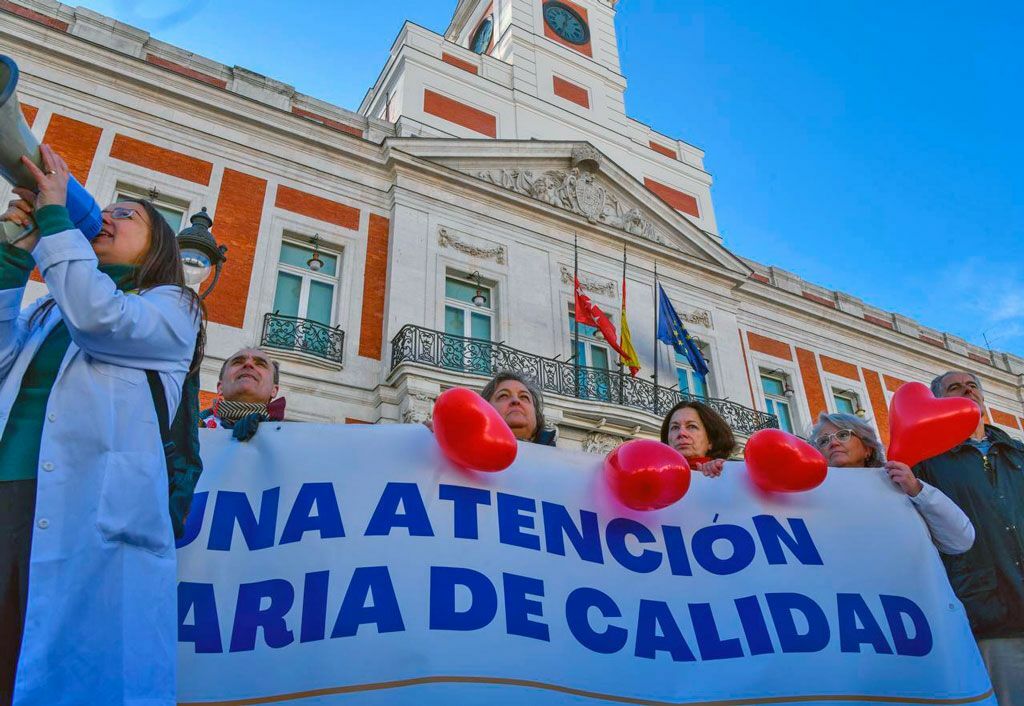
1010 306
977 298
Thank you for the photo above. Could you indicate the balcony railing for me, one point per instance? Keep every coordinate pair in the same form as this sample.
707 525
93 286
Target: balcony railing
290 333
475 356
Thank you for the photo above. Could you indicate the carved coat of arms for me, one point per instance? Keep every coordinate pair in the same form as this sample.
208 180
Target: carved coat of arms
590 196
578 191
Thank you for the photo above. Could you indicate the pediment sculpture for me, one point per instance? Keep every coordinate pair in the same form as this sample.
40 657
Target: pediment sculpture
579 191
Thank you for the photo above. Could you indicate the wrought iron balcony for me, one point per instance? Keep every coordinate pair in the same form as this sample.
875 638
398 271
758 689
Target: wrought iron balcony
475 356
290 333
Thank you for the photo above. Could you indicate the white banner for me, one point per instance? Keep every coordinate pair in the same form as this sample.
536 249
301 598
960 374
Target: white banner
352 564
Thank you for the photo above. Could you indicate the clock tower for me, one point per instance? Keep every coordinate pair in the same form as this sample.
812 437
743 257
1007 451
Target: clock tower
564 50
535 70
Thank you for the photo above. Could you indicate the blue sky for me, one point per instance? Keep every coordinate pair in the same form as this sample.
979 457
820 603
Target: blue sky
872 148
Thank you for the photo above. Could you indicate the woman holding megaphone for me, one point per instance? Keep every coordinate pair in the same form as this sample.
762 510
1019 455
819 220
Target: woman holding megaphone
88 612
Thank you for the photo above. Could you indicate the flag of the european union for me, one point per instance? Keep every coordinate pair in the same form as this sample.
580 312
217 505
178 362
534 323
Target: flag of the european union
672 332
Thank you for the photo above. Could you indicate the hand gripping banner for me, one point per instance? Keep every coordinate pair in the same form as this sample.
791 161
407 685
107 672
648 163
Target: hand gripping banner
353 565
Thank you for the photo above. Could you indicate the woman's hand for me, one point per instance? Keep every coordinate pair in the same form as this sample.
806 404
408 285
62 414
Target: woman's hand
19 211
51 180
902 476
713 468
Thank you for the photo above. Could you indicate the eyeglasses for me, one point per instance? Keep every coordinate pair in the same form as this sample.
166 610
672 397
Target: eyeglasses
121 213
842 436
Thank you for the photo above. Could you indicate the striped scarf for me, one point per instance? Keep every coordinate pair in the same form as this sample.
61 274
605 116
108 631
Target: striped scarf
233 411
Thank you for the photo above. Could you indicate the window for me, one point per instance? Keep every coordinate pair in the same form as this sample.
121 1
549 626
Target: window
776 398
468 313
690 383
172 210
481 39
847 402
595 359
303 293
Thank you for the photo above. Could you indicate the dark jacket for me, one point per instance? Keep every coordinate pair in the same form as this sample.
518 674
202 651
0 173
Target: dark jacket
545 437
181 445
990 490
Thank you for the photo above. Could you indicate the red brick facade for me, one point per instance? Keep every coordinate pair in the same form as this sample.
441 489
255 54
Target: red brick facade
459 113
375 273
458 63
878 322
30 112
327 122
892 384
186 71
878 404
75 141
317 207
812 382
839 367
570 91
238 217
162 160
769 346
51 22
1004 418
667 151
673 197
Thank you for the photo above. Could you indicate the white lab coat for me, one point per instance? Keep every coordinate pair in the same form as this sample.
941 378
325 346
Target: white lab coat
101 624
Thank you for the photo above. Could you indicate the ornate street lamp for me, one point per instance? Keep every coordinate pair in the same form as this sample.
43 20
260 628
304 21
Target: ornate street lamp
478 299
787 389
855 402
315 263
200 252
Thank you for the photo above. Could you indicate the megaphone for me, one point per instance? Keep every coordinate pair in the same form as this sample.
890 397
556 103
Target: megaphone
17 140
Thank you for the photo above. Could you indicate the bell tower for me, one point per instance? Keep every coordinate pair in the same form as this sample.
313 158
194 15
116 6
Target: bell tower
535 70
564 51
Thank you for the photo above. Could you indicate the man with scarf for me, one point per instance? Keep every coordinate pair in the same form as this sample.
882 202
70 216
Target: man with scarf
247 389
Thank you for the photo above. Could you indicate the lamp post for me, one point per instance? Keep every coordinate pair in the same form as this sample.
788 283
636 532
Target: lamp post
783 377
854 398
315 263
200 252
478 299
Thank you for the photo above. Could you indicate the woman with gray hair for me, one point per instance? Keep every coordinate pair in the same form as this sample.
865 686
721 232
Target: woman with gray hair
520 403
847 441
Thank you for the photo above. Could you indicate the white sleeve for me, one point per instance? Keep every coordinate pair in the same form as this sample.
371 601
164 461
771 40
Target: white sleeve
12 328
155 330
951 530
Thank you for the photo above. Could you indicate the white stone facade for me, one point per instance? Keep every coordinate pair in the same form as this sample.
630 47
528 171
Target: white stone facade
405 198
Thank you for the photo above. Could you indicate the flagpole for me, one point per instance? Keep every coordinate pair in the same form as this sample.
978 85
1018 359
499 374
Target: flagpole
622 324
576 314
656 301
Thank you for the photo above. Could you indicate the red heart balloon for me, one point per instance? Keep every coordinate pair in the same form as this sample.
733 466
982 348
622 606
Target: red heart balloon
783 463
921 426
647 475
471 433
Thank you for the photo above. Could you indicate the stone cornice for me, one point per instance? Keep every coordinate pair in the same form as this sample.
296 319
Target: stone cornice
105 43
463 11
771 283
825 325
53 60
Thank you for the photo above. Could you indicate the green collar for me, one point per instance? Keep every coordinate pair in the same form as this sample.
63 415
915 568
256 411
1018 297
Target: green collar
123 275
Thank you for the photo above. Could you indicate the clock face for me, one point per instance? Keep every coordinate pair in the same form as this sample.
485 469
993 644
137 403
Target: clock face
566 22
482 37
